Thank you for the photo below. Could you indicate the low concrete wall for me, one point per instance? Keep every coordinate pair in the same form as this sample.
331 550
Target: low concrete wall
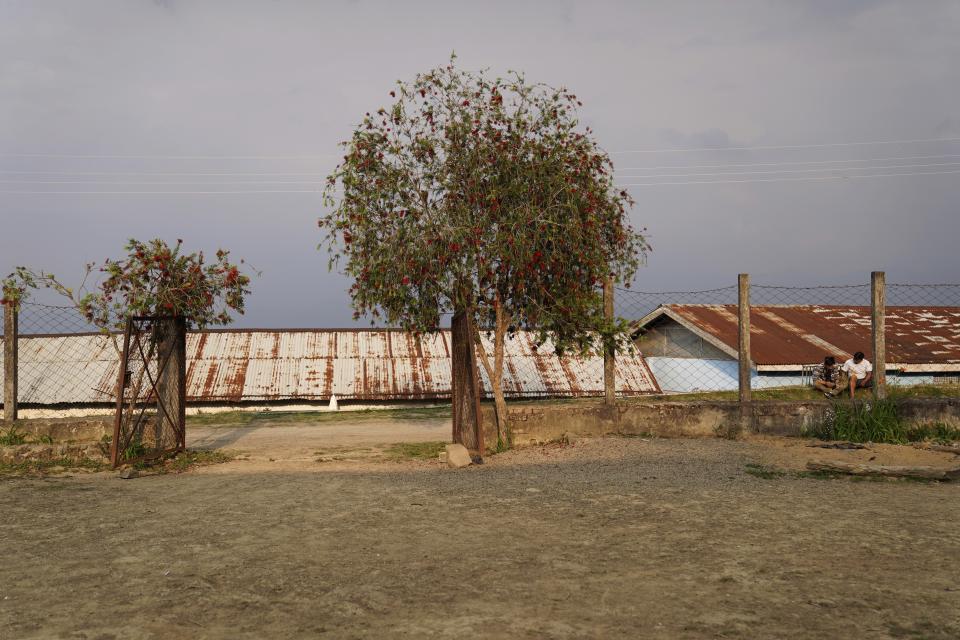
90 429
43 452
538 422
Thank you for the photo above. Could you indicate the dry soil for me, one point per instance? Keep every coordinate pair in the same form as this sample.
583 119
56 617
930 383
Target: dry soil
609 538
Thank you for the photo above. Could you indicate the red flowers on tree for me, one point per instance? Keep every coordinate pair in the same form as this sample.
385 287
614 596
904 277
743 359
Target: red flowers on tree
512 213
153 279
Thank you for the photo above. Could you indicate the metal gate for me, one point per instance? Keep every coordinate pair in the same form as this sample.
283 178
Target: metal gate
150 420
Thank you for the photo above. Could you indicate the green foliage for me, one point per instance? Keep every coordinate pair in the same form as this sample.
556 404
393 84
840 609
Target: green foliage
479 193
760 471
937 432
880 422
874 421
44 467
416 450
134 450
12 437
186 460
152 279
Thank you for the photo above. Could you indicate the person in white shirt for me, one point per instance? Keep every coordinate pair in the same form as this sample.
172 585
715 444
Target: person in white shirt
860 372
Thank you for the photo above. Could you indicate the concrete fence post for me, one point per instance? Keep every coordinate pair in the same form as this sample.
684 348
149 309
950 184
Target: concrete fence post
878 321
609 356
10 335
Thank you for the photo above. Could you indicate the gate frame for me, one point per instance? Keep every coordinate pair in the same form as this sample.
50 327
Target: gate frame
153 397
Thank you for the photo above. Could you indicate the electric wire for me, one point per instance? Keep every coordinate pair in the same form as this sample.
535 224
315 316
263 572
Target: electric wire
803 179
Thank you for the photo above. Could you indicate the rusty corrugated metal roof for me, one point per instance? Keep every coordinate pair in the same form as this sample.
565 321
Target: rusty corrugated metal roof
921 338
313 364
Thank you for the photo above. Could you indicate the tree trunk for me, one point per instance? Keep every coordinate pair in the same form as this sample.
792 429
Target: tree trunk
850 468
172 356
495 374
465 392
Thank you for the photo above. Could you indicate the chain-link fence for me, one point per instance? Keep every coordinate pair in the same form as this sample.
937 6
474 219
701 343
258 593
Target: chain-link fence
667 328
798 335
923 334
687 342
792 329
65 366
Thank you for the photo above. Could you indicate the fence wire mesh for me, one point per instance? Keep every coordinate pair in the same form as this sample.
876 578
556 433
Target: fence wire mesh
688 342
923 334
792 329
65 366
667 329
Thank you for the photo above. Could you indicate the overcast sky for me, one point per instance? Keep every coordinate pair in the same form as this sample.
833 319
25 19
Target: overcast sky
134 93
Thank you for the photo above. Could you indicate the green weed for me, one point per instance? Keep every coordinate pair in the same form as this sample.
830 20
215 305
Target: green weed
937 432
873 421
44 467
760 471
415 450
12 437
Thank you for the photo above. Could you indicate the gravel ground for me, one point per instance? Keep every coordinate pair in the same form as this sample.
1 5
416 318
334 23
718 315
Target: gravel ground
610 538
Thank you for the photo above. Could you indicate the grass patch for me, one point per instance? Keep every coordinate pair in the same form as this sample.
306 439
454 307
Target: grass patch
937 432
45 467
415 450
183 461
804 393
876 421
12 437
274 418
760 471
879 421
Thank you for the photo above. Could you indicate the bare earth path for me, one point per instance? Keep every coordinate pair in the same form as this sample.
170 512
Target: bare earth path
611 538
291 444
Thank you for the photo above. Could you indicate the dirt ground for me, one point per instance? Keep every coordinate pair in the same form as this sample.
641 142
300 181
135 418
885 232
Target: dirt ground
606 538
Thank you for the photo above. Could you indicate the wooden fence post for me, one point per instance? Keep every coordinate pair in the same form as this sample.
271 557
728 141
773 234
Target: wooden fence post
743 327
743 353
10 335
609 356
878 317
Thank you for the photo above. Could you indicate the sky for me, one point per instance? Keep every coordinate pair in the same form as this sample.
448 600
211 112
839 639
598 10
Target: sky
780 139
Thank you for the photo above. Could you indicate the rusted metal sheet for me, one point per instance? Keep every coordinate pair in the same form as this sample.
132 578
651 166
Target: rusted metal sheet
260 365
918 338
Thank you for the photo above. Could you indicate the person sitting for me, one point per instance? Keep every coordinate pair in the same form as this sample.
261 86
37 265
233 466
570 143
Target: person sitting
826 377
860 372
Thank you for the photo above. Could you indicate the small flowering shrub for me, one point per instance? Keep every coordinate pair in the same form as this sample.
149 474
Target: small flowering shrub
153 279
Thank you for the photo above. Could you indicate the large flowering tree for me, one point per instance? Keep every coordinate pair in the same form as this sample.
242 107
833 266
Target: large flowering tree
482 195
152 279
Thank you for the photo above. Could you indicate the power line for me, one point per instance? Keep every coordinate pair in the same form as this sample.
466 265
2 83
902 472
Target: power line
318 182
91 156
152 182
160 173
809 178
161 192
780 164
322 175
640 184
746 173
791 146
326 156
